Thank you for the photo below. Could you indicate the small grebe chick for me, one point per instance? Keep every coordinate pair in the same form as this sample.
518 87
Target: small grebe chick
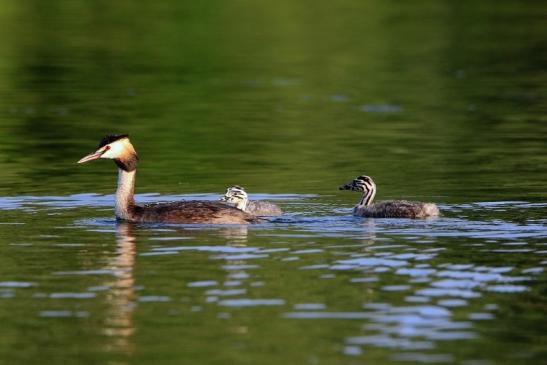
386 209
120 149
237 196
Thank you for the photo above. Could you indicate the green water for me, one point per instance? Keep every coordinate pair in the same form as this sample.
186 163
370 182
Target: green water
438 101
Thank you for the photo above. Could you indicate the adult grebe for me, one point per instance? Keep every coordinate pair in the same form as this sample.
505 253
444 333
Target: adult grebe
386 209
237 197
120 149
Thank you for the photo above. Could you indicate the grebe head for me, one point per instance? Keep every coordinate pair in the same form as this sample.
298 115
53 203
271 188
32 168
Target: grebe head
365 185
115 147
236 196
362 184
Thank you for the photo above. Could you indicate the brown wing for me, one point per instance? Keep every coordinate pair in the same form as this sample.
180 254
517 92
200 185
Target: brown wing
193 212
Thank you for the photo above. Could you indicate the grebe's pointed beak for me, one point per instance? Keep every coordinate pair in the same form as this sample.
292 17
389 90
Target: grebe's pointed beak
92 156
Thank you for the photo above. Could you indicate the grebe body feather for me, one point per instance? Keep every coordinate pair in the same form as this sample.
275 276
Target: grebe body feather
191 212
397 209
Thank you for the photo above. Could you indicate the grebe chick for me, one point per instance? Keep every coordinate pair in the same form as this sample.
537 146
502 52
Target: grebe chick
386 209
120 149
237 196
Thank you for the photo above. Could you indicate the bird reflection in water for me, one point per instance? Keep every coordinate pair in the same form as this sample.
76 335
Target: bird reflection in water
119 323
121 297
369 234
237 234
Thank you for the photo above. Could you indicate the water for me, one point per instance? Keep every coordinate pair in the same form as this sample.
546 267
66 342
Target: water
437 101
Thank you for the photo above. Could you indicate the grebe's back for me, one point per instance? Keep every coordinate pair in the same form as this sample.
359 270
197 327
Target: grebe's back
192 212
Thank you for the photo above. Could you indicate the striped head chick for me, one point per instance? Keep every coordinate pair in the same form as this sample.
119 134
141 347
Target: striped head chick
236 197
363 184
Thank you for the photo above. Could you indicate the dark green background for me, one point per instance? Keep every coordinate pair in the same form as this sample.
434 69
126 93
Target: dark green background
273 95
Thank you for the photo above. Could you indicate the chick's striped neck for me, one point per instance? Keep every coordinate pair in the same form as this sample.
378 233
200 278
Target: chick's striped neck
368 194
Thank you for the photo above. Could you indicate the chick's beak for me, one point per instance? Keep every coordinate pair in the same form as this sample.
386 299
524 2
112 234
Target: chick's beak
345 187
92 156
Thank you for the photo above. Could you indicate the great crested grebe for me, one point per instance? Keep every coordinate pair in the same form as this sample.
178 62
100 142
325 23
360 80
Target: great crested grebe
386 209
120 149
237 197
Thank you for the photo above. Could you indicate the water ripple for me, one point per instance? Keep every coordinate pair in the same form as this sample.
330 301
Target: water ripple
250 302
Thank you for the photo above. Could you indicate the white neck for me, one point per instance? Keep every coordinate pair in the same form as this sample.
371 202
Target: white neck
124 194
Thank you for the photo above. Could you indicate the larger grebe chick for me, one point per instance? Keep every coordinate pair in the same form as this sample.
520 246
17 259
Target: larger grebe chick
237 197
386 209
120 149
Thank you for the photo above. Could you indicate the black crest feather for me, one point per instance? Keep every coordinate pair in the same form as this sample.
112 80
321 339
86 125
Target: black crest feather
111 138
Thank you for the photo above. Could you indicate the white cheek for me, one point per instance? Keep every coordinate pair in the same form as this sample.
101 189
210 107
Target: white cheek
107 154
115 151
